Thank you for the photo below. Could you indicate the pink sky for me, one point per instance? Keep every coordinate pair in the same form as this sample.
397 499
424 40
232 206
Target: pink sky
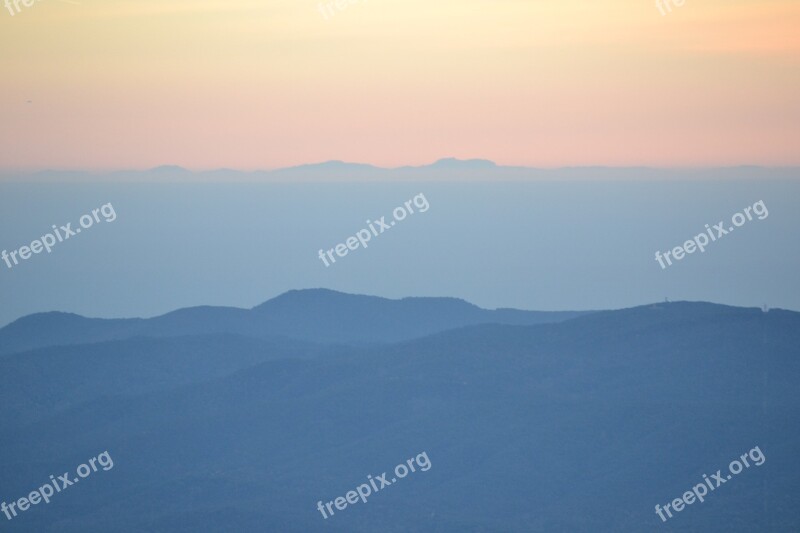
263 84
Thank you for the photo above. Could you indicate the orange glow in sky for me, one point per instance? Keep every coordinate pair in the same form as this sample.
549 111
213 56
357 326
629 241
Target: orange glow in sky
110 84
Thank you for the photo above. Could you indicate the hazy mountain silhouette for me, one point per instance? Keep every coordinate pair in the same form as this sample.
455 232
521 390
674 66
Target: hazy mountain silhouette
451 163
580 425
445 169
314 315
330 166
169 168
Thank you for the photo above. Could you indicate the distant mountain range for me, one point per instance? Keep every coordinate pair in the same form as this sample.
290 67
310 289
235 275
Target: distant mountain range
446 169
317 315
577 422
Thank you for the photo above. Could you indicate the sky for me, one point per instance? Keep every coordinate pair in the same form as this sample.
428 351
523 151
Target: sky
112 84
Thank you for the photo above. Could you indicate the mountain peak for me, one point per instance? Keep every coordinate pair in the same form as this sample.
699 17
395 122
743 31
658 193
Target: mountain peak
463 164
331 166
168 168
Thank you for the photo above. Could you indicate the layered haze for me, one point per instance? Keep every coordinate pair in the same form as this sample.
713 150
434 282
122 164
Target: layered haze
561 240
262 252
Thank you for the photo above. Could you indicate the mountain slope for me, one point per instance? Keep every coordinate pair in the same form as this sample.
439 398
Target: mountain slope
577 426
313 315
46 382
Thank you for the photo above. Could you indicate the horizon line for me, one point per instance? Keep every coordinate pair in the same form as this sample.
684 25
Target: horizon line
357 294
438 164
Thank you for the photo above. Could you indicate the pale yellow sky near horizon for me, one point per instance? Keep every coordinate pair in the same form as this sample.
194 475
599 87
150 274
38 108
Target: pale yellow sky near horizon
248 84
